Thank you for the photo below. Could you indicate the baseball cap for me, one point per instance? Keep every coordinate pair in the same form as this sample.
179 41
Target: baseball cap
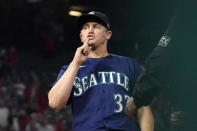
93 16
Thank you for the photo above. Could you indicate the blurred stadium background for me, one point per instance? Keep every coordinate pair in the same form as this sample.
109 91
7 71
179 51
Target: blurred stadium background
37 37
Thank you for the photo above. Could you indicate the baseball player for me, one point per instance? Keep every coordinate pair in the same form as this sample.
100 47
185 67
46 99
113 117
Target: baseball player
97 83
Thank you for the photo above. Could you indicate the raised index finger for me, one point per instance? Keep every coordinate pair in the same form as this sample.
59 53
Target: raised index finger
86 41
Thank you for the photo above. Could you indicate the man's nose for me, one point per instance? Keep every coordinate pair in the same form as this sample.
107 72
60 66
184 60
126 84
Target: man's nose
91 29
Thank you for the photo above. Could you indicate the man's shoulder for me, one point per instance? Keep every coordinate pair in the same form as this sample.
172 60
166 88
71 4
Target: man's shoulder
124 58
119 56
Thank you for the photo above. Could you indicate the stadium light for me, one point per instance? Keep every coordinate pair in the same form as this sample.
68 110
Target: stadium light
74 13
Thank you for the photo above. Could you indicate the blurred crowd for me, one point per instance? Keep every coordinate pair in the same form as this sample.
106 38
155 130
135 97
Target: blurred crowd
32 26
28 26
23 98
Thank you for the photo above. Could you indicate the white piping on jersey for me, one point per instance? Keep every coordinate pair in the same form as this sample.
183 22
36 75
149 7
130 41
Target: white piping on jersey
82 66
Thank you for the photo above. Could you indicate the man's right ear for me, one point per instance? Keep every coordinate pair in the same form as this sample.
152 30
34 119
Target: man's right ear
80 35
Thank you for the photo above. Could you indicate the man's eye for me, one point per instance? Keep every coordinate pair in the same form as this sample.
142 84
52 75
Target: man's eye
84 27
97 26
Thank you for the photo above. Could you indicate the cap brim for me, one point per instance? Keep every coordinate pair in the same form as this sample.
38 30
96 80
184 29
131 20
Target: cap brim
89 18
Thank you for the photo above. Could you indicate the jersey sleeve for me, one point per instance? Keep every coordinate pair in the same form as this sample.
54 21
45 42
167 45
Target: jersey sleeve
63 69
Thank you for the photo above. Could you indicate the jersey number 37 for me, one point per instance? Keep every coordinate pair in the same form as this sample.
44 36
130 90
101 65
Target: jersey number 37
120 100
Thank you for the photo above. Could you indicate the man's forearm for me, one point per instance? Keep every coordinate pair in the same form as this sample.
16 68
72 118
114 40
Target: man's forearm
60 92
145 118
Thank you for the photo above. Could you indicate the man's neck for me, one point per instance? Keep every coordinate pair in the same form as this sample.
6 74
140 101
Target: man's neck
98 53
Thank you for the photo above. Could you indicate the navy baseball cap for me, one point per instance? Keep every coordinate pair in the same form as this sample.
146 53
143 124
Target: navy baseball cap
93 16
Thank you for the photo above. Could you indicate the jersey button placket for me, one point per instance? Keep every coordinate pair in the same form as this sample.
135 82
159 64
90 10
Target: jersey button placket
104 105
104 98
103 91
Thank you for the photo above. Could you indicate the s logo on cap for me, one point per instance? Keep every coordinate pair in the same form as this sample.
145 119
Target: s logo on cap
91 13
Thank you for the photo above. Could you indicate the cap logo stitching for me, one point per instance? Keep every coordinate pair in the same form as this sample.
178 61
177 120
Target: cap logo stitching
91 13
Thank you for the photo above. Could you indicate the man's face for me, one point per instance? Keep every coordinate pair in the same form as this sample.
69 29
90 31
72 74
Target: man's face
95 32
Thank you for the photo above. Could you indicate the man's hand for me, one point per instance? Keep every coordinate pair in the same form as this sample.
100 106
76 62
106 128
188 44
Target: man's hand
177 117
130 108
81 53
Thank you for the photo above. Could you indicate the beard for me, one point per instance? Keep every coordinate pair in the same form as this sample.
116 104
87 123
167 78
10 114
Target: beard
92 46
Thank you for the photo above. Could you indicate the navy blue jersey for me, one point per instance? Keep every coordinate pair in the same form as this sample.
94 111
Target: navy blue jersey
99 94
